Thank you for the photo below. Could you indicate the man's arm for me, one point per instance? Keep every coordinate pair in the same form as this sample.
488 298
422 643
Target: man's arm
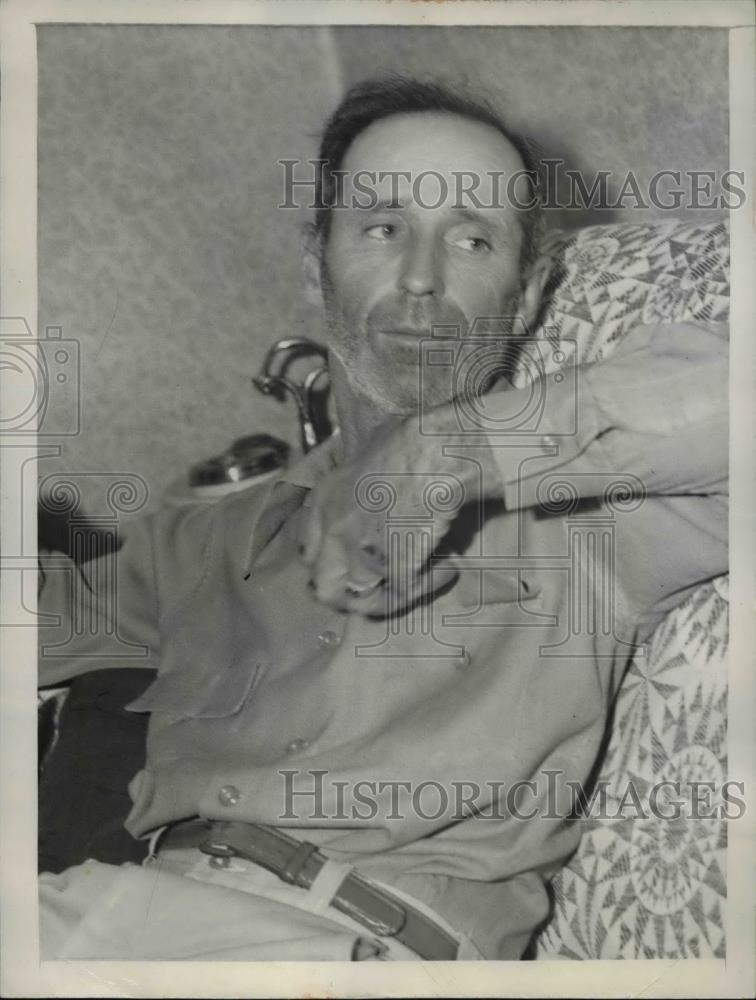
104 614
655 411
668 546
99 614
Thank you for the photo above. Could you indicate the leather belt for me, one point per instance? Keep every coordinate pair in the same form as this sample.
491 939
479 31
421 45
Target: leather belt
299 863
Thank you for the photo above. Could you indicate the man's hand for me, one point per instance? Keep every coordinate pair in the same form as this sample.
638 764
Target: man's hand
402 480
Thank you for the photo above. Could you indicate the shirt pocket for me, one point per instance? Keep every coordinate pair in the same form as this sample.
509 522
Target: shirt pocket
216 693
210 659
490 598
476 588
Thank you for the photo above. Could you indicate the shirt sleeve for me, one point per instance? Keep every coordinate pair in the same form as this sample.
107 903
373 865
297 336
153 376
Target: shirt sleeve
105 613
98 614
668 546
108 612
656 410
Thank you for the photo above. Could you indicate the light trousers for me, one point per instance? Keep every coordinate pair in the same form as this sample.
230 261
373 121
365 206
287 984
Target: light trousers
179 905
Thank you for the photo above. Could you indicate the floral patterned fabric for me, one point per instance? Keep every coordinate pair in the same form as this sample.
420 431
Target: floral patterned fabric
643 886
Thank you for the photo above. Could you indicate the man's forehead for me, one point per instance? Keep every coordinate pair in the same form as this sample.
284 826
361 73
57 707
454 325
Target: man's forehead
428 145
433 140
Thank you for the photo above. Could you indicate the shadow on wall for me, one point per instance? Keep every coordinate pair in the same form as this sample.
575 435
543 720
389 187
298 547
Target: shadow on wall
72 533
598 99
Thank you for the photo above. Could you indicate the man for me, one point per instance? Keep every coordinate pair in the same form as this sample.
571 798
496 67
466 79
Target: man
379 761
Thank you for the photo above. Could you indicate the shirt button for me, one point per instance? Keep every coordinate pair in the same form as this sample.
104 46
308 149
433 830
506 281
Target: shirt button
296 745
547 442
328 638
229 795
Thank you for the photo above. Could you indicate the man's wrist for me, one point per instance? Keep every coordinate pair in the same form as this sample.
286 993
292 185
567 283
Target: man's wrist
483 480
478 470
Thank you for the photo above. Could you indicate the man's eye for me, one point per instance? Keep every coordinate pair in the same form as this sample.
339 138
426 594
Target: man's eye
475 244
383 231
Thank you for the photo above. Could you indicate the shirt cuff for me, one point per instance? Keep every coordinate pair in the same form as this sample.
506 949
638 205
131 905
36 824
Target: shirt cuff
560 420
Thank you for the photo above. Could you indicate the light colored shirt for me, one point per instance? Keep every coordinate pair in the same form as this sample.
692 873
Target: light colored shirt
262 690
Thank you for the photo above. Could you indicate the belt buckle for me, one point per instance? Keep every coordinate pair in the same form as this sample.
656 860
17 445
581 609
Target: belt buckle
217 849
220 850
380 927
220 845
220 854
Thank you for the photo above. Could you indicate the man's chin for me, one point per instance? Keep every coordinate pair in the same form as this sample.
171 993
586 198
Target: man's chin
399 402
395 389
409 396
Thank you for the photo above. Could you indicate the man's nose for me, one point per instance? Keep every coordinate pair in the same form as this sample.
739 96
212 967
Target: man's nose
421 272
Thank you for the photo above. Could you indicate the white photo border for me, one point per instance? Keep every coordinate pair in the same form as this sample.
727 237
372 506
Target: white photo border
22 974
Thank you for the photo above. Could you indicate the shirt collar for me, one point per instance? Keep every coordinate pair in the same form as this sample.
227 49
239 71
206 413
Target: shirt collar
288 493
311 468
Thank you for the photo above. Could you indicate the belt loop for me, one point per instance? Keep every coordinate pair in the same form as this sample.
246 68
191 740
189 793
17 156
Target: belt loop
152 846
326 884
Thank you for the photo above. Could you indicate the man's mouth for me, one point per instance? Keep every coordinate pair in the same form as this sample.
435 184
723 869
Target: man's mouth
401 344
405 337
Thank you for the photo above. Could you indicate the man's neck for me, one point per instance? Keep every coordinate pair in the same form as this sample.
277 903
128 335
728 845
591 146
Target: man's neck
359 414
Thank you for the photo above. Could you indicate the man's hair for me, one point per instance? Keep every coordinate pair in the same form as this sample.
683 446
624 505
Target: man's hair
372 100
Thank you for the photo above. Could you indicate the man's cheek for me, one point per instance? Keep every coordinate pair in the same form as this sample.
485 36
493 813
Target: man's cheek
344 306
486 294
354 288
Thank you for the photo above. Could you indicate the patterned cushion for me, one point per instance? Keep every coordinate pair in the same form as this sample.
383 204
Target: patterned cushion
647 887
655 888
607 279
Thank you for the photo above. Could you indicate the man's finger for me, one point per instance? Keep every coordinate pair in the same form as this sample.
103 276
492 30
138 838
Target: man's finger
409 554
331 572
311 535
387 600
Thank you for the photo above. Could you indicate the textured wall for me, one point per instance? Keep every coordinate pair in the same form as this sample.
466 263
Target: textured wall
600 98
160 245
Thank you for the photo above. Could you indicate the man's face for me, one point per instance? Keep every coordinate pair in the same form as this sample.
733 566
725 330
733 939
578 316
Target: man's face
423 256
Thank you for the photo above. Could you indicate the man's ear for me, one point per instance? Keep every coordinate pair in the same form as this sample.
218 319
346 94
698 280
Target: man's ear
532 291
310 265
